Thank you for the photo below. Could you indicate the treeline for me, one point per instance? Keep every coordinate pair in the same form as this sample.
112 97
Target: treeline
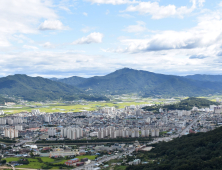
201 151
186 104
97 140
7 140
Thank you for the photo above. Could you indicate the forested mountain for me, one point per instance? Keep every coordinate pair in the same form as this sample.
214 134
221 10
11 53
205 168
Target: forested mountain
186 104
145 83
204 77
38 88
75 80
201 151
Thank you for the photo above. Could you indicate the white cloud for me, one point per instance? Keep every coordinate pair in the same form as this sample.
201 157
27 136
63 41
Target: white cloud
47 45
84 13
73 63
65 5
159 12
29 47
140 27
94 37
113 2
52 25
201 2
208 32
29 62
22 17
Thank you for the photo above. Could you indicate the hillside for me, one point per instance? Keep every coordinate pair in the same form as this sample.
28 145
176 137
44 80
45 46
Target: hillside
74 81
38 88
204 77
3 100
186 104
201 151
145 83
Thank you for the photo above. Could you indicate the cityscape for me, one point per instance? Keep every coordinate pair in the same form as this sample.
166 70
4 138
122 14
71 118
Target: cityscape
110 85
101 135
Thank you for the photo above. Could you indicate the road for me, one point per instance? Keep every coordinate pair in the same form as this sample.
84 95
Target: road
186 130
155 141
22 142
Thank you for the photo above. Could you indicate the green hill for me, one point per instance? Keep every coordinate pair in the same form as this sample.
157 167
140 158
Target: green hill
145 83
38 88
186 104
201 151
74 81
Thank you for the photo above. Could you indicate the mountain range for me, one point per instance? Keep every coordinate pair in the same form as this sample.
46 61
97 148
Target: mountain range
146 83
38 89
123 81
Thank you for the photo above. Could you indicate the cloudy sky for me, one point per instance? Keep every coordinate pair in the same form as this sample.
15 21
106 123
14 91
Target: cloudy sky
95 37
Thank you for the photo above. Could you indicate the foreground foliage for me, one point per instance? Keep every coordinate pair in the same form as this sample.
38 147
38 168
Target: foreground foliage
201 151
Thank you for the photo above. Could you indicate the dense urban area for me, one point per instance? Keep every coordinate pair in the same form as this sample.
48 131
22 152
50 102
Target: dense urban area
105 138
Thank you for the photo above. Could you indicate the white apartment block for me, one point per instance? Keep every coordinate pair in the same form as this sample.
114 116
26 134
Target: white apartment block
51 131
17 121
9 121
36 112
2 121
72 133
217 110
11 133
18 127
155 132
47 118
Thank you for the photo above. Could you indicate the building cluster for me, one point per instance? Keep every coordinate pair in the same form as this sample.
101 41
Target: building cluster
11 133
72 133
108 122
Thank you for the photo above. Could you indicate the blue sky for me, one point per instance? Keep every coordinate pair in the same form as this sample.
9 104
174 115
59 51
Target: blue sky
95 37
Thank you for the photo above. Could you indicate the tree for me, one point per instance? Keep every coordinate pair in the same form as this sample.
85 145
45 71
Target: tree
31 154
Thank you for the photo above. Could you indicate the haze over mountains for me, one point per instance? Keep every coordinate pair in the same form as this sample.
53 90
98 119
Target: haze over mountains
121 81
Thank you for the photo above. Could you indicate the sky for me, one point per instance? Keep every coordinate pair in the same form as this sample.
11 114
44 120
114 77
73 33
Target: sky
52 38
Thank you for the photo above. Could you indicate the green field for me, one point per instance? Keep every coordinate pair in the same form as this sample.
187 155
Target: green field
89 106
56 163
35 164
120 167
119 103
91 157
